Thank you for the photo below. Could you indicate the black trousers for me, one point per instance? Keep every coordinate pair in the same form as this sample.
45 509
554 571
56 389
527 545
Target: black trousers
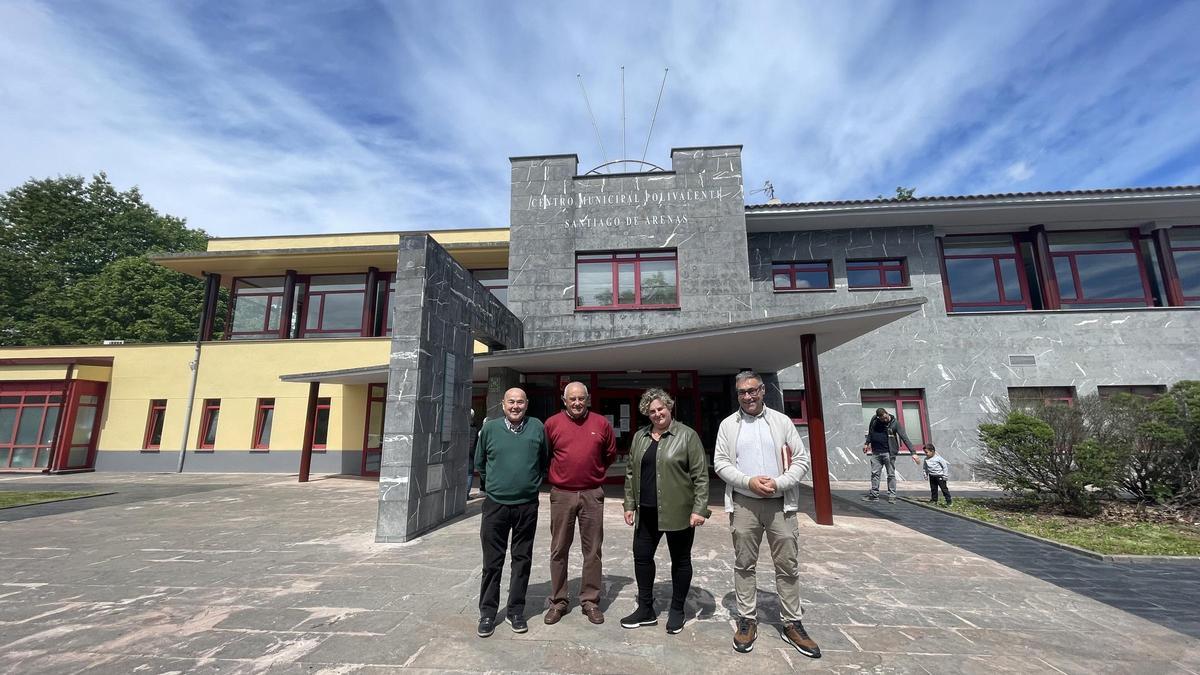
645 543
934 483
494 528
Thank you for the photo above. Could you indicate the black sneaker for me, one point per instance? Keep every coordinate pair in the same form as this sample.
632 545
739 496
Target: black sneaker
517 622
487 626
642 616
795 635
870 498
675 621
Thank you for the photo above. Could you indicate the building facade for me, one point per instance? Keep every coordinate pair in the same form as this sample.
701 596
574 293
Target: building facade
1015 296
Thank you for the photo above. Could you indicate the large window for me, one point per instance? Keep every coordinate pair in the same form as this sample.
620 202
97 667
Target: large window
1185 248
28 420
154 424
812 275
1025 398
877 273
208 424
263 418
1098 270
906 405
984 274
257 308
1143 390
626 280
333 305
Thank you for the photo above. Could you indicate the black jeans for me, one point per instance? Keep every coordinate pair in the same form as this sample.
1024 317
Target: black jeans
498 520
645 543
934 483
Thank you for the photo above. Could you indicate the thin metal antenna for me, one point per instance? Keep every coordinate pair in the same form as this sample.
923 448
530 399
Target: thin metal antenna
624 154
593 117
655 115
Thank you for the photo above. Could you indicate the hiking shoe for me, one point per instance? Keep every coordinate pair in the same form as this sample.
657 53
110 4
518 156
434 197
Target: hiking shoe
747 633
554 614
517 622
487 626
795 635
642 616
870 498
891 499
675 621
593 613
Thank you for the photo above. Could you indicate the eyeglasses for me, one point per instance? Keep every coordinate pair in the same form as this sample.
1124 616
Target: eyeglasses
750 391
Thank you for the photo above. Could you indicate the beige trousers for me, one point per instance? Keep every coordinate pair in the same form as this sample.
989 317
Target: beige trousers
750 519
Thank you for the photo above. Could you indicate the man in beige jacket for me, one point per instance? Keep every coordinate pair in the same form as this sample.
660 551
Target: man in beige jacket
762 460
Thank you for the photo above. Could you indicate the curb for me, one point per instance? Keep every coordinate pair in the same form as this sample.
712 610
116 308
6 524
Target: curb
53 501
1102 557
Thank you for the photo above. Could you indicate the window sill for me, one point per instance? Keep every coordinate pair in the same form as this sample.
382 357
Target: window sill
880 288
626 308
149 451
784 291
205 450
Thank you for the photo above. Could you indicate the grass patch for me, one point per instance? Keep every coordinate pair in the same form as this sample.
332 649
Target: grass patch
1110 538
17 498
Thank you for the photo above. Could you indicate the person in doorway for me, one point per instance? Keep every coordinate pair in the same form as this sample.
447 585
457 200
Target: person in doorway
511 457
666 492
882 443
937 470
761 458
582 447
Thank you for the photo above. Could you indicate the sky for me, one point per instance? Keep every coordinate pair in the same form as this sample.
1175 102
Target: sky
256 118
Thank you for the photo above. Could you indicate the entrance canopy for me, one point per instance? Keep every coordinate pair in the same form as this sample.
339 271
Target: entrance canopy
766 345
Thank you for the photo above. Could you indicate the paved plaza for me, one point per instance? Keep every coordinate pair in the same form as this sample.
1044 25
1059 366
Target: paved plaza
254 574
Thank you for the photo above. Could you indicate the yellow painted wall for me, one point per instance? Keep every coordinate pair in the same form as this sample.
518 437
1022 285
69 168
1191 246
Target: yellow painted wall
30 373
237 373
494 235
93 373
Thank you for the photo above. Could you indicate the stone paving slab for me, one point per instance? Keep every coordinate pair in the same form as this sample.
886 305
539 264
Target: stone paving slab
259 574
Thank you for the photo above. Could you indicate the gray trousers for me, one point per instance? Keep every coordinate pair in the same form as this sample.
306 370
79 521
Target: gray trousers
878 463
750 519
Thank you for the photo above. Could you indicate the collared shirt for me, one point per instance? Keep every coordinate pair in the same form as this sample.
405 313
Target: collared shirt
755 449
515 428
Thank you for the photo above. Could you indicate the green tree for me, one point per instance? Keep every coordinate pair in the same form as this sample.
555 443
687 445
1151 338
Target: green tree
59 233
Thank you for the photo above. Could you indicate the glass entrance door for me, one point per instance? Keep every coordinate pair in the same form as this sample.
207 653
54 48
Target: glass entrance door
620 406
373 442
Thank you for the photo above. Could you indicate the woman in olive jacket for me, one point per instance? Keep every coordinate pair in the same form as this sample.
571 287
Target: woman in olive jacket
666 491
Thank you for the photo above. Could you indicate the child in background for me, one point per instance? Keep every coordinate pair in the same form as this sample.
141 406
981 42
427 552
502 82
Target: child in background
937 470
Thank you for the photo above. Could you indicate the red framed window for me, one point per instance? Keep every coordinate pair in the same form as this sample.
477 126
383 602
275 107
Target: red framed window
321 431
907 406
627 280
1027 397
154 424
795 406
263 418
495 281
208 424
1185 249
877 273
257 306
811 275
984 273
333 305
1099 270
28 424
1150 391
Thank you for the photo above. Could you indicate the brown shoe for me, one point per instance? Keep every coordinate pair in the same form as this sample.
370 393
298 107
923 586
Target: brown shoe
554 614
747 633
593 613
795 635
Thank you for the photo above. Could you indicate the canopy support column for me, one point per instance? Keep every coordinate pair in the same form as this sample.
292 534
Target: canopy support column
310 430
822 497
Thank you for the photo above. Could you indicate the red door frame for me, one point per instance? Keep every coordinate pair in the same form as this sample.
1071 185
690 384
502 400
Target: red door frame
382 398
35 388
62 447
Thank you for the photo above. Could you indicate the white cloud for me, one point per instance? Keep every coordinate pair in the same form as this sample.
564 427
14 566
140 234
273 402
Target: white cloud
1018 172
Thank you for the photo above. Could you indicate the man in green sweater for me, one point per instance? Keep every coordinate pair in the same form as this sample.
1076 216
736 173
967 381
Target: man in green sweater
511 457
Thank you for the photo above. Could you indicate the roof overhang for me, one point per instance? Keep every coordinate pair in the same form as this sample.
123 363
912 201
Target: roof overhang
762 344
965 215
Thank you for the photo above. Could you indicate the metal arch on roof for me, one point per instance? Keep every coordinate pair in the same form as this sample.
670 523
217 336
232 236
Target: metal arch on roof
653 167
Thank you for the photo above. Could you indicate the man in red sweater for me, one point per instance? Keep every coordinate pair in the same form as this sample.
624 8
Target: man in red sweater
582 446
